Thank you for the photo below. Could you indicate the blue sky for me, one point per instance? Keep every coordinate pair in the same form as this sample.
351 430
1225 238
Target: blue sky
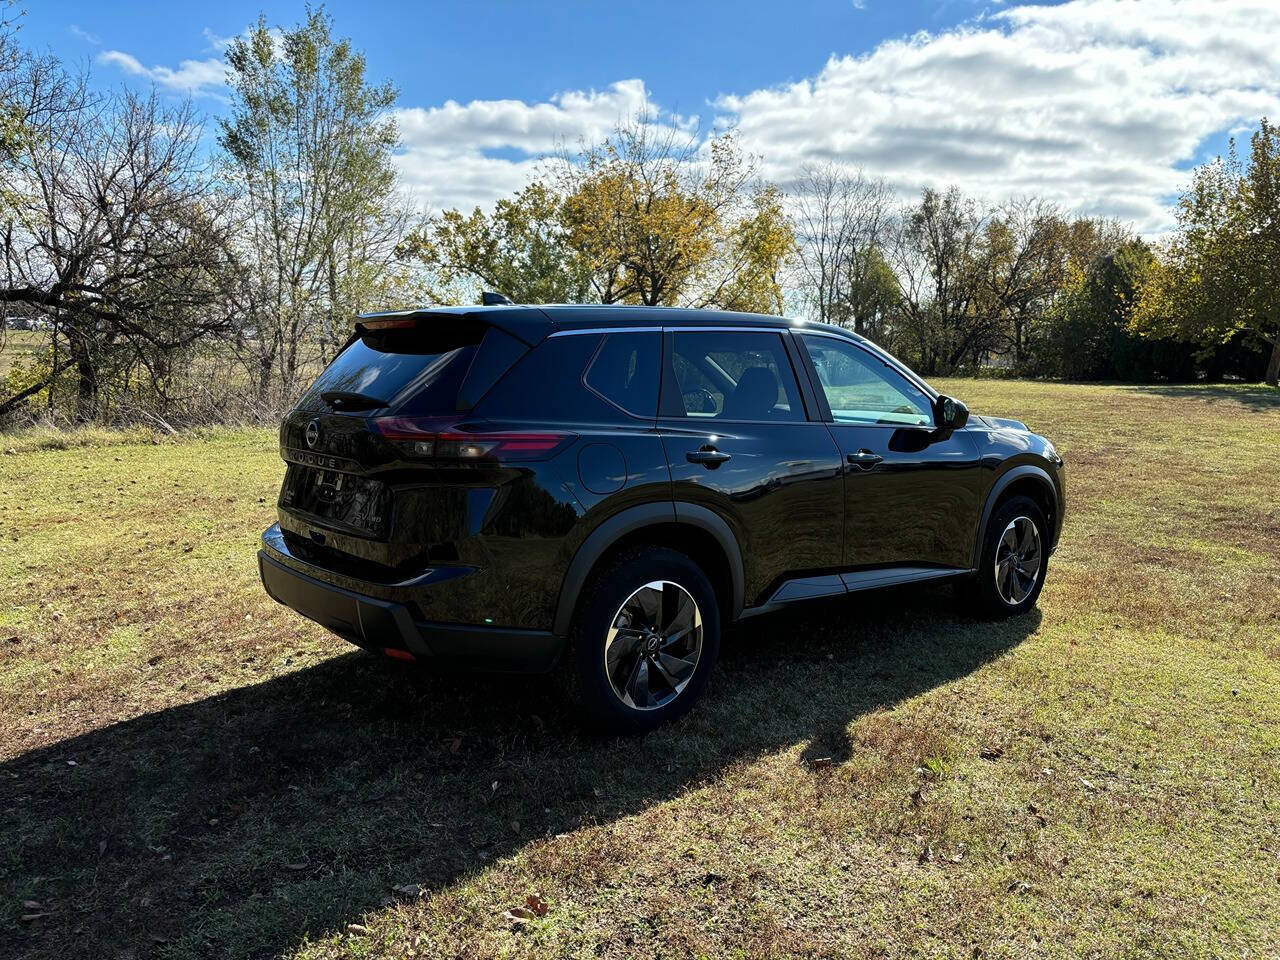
468 51
1099 105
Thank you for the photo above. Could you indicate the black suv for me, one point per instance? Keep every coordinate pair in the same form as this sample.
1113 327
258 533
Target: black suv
511 486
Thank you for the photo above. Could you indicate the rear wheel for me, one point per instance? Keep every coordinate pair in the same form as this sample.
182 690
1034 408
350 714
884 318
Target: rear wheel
1015 558
646 640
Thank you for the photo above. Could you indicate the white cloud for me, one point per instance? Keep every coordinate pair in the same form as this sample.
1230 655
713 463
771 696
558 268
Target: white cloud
1100 105
190 76
444 160
1097 104
76 31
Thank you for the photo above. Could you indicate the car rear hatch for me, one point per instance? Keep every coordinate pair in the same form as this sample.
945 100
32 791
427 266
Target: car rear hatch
387 469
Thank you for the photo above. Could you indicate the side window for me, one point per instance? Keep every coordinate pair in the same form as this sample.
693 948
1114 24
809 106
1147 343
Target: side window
625 372
734 375
862 389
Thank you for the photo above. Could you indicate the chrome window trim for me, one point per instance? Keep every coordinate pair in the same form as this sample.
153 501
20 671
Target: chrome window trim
678 328
584 331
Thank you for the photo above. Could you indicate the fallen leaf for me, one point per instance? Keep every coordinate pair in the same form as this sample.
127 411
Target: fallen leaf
517 916
1086 784
537 904
32 905
358 929
295 866
408 889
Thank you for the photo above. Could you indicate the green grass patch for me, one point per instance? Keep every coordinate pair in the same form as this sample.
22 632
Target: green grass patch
189 770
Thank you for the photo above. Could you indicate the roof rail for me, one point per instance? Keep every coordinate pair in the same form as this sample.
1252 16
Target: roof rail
488 298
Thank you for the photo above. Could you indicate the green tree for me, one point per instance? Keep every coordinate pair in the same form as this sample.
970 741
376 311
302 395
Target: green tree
1220 276
941 262
1088 334
308 145
521 250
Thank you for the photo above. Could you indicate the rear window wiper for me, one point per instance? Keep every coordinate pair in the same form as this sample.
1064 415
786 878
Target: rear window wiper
346 400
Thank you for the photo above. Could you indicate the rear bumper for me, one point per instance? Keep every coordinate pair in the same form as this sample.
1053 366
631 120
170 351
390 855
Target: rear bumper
379 624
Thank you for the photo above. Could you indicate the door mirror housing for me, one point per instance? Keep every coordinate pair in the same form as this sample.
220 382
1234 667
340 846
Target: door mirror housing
949 413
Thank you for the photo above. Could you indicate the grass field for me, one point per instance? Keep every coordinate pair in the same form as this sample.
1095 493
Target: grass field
17 346
187 769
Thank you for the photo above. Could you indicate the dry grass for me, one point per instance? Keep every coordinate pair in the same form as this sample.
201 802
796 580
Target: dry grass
187 769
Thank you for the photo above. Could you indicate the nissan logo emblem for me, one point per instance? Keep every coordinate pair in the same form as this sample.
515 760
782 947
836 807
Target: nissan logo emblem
313 432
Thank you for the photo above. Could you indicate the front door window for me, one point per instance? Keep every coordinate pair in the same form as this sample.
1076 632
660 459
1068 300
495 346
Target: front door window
861 388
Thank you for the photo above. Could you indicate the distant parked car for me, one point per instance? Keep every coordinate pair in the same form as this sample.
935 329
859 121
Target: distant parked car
515 487
17 323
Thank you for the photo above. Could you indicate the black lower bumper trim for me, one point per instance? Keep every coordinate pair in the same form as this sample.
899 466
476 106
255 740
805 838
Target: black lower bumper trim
377 624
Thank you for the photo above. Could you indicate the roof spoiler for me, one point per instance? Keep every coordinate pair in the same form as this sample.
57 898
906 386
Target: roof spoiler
527 324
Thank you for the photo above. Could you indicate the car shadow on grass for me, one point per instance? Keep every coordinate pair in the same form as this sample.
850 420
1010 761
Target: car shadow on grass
240 824
1256 397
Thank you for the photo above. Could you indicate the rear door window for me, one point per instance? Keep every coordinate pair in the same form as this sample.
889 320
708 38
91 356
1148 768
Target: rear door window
733 375
624 371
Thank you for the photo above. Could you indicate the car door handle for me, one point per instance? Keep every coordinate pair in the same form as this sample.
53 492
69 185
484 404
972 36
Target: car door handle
864 459
708 456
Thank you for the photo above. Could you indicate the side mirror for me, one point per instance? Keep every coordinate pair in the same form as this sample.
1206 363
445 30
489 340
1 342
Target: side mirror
949 413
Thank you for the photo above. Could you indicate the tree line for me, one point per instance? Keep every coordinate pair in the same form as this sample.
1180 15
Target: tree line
190 270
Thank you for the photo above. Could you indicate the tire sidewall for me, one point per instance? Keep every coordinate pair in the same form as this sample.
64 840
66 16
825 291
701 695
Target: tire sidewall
991 601
605 596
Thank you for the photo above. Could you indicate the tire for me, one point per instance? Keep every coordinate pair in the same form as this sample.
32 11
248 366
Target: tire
629 674
1010 577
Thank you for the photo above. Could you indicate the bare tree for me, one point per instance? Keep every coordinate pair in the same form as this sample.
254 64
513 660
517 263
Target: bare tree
108 228
844 222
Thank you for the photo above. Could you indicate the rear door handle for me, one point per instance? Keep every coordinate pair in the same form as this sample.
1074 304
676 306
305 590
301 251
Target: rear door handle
864 458
708 456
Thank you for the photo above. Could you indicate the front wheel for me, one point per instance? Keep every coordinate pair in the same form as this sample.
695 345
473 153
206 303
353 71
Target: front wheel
1015 558
646 640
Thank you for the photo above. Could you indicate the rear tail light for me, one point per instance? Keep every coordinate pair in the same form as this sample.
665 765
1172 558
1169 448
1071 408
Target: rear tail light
426 438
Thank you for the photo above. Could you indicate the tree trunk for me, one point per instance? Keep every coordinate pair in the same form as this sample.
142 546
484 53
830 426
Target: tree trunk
86 380
1273 365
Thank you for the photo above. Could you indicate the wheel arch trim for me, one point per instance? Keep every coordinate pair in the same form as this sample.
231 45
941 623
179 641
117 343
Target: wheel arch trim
1021 472
599 541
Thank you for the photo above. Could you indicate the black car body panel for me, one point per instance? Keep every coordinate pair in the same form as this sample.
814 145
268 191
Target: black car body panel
456 476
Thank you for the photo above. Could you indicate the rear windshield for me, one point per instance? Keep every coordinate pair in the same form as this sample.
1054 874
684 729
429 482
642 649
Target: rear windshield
418 371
